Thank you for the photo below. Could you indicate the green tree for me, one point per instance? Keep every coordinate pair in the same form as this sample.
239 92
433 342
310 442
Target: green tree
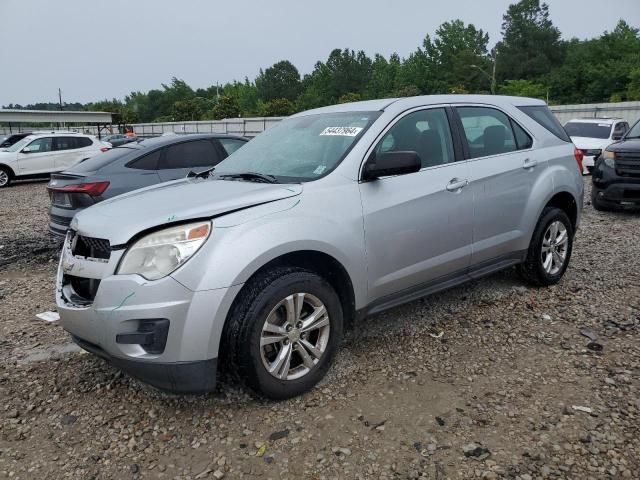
531 44
524 88
349 98
279 107
383 76
226 107
281 80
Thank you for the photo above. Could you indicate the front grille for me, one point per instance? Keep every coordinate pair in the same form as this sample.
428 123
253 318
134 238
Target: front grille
92 247
628 164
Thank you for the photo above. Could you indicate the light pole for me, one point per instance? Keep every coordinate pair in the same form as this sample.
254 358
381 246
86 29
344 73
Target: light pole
491 77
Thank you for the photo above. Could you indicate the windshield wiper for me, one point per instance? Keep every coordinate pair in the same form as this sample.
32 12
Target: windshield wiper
252 177
203 174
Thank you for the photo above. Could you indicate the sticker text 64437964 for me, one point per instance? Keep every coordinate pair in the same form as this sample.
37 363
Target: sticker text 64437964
341 131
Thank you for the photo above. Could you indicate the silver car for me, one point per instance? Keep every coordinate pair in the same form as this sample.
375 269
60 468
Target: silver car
332 215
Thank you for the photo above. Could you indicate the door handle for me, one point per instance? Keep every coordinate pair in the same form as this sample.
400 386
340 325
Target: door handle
455 184
529 163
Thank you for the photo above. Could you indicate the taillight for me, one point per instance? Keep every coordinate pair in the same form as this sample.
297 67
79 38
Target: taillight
104 149
94 189
579 156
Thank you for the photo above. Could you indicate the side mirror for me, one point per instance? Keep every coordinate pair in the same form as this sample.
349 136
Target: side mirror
26 150
617 136
391 163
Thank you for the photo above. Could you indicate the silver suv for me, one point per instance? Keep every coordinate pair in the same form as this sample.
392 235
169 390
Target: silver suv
332 215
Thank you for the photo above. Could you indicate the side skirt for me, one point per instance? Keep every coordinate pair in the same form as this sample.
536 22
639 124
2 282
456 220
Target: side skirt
442 283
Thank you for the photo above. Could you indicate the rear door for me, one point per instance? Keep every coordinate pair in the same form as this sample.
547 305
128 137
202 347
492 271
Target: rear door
503 169
179 159
37 157
66 154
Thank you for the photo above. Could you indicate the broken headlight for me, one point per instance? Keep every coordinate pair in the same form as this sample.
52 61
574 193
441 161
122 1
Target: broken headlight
158 254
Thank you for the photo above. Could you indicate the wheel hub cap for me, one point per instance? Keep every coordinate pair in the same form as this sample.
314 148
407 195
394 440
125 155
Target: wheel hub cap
294 336
555 243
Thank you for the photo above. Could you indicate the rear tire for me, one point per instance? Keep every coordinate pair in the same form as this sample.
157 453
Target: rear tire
261 314
550 249
5 177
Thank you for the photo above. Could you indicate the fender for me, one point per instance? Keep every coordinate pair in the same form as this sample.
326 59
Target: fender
243 242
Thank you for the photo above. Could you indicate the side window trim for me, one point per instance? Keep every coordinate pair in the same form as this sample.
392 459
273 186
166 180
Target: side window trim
393 122
511 121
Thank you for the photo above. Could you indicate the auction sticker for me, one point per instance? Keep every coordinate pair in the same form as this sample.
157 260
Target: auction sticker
341 131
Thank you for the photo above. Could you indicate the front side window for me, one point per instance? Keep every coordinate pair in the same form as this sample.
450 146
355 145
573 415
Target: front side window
488 131
199 153
300 149
425 132
40 145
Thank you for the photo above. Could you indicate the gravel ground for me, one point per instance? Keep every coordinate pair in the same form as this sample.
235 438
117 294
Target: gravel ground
481 381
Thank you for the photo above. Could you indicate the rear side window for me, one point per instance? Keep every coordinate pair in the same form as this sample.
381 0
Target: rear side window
488 131
148 162
542 115
230 145
82 142
64 143
199 153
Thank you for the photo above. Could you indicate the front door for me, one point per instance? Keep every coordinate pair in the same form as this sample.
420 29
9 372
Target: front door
37 157
418 226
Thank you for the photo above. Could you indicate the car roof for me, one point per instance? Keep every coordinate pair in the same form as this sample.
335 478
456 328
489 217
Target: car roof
170 139
410 102
59 134
610 121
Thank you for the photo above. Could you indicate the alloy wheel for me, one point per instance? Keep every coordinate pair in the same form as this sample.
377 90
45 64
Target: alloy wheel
555 244
294 336
4 178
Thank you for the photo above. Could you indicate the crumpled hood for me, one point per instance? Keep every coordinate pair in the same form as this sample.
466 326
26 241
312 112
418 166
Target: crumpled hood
120 218
586 143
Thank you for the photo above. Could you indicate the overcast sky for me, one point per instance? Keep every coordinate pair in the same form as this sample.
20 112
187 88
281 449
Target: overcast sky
94 50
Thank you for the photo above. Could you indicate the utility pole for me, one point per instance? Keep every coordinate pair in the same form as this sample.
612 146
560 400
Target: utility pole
60 97
493 75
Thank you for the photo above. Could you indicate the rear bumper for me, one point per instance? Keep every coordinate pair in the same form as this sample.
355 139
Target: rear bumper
59 220
177 377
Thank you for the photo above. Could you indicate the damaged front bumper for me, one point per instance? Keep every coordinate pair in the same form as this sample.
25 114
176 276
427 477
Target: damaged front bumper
158 331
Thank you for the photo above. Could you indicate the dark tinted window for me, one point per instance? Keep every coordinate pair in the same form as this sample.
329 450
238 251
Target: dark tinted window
199 153
542 115
588 129
64 143
523 140
148 162
230 145
425 132
488 131
82 142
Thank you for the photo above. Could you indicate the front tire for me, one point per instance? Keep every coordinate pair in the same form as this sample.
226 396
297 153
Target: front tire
550 249
283 332
5 177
